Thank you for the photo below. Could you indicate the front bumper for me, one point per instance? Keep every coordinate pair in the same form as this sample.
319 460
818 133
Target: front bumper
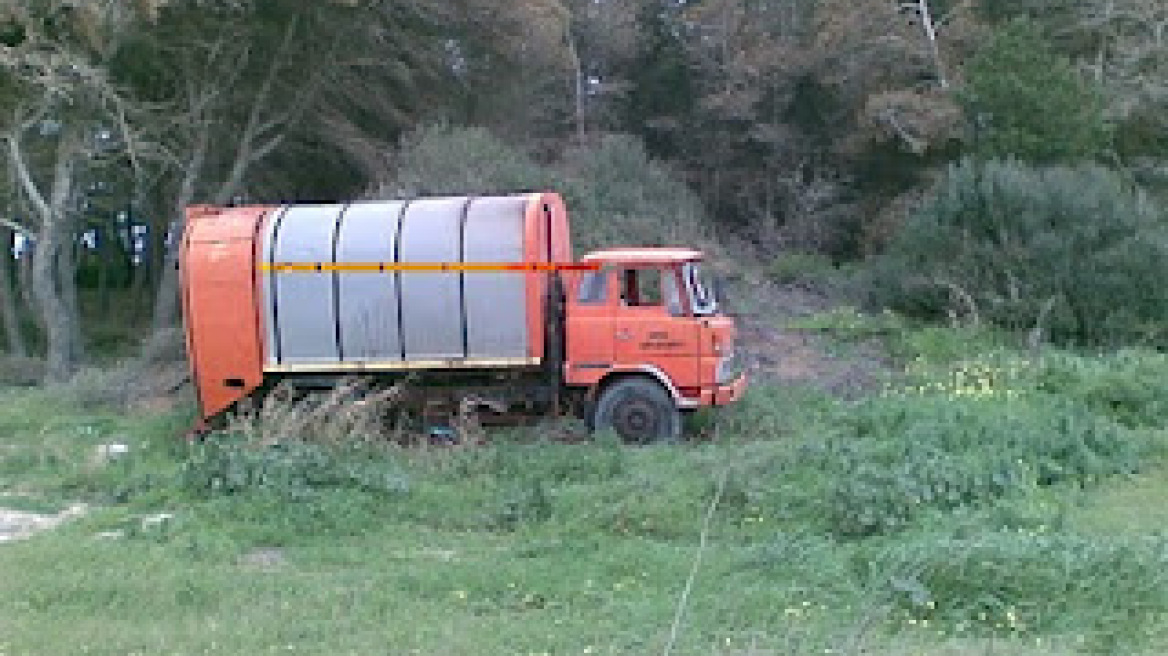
729 393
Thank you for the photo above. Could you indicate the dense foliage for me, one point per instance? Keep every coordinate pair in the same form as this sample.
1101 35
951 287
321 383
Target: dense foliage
786 124
1027 101
617 193
1073 253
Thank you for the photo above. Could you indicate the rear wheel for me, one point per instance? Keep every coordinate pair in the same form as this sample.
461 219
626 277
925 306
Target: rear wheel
639 410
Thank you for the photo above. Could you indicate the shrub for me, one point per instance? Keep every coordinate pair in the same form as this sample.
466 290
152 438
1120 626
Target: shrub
847 324
290 471
21 371
113 388
447 160
902 457
1109 591
352 412
1029 102
618 195
1073 251
802 267
297 446
1130 386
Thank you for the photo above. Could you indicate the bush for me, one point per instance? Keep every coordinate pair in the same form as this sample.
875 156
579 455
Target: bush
1109 591
113 388
1073 251
290 471
1130 386
618 196
21 371
1030 102
802 267
441 159
295 447
128 385
903 457
353 412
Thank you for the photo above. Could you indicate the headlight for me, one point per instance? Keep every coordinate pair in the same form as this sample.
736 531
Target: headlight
730 367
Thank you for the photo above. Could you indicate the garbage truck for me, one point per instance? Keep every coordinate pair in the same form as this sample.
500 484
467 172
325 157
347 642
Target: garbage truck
474 293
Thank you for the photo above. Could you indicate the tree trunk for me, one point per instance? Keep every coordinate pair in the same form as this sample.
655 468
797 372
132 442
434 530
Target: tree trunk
142 271
52 210
259 138
107 258
66 272
931 35
59 363
8 307
579 89
24 279
166 299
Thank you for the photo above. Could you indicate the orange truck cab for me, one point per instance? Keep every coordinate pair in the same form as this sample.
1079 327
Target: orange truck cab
475 293
644 331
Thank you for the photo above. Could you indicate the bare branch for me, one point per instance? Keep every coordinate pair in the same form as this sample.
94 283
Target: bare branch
917 146
20 167
16 227
1038 332
245 154
959 294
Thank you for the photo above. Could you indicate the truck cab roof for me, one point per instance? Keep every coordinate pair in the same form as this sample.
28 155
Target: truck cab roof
644 256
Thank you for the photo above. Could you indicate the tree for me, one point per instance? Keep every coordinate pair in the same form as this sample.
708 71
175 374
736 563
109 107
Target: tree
1028 102
9 313
1123 47
60 119
286 100
662 101
603 40
223 88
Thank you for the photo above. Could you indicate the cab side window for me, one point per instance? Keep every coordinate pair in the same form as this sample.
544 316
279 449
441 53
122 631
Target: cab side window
641 287
593 288
651 288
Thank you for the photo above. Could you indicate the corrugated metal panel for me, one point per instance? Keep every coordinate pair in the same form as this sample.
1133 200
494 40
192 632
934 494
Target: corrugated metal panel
431 303
495 316
304 308
313 318
368 301
268 310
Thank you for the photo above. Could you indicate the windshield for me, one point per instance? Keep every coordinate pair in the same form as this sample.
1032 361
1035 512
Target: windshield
704 303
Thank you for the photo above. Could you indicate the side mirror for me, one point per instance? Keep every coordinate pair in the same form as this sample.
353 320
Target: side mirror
719 284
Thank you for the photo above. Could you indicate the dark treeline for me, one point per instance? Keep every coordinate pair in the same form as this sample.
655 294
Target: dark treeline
806 124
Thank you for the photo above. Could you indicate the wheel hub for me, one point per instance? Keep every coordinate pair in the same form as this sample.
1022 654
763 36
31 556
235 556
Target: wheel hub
636 420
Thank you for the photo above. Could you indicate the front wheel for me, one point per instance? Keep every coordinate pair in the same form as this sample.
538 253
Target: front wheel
639 410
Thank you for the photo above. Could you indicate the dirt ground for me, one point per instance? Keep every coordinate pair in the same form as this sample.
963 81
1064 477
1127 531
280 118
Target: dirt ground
777 354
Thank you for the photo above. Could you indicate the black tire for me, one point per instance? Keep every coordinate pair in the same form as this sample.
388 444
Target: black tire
639 410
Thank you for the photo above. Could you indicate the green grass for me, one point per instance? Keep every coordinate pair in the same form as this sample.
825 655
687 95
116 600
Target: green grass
1038 529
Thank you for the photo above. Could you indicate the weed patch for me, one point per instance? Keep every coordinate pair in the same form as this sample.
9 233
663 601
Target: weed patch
939 517
290 471
1107 593
899 459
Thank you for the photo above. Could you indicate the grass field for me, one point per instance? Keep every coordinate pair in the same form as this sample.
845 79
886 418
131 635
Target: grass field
984 503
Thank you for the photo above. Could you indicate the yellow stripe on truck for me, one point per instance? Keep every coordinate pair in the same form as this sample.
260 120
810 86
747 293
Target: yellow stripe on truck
429 267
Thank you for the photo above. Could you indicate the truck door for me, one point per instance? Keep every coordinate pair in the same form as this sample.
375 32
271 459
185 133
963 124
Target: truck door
653 326
591 298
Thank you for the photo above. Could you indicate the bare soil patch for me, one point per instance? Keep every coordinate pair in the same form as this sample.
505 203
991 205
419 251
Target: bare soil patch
780 355
19 524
